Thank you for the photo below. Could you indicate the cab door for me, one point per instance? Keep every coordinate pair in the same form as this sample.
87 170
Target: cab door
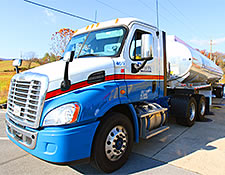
143 85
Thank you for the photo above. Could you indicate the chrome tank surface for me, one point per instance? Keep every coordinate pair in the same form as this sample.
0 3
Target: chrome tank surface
187 65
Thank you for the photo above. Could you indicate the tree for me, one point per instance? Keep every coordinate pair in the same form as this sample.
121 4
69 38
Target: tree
60 40
30 57
203 52
48 58
220 59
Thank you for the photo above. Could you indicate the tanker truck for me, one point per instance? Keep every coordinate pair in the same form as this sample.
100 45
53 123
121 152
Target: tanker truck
110 89
190 74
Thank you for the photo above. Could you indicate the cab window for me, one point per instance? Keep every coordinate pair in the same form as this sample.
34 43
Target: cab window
135 47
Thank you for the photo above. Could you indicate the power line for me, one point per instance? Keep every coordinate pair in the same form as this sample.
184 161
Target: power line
176 8
147 6
60 11
173 15
113 8
162 16
180 12
187 27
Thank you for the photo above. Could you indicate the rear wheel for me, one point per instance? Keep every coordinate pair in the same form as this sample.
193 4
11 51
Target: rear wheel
219 92
184 108
201 108
113 142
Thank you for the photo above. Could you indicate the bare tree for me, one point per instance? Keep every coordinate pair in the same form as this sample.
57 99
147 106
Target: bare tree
30 57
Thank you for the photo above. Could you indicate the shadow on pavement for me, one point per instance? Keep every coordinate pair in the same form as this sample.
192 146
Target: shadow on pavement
136 163
176 143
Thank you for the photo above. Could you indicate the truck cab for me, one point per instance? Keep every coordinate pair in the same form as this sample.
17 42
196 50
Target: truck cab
107 92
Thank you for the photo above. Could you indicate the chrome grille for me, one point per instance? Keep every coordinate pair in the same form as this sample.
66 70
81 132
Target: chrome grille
26 98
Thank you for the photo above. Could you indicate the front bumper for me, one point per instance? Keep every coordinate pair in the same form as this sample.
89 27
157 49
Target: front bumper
54 144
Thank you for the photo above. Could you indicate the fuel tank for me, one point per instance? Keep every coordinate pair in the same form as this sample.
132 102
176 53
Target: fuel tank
187 65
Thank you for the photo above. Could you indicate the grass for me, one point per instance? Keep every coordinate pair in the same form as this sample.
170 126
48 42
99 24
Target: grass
6 73
4 85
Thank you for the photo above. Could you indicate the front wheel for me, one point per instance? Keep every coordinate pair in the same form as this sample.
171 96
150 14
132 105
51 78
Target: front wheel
113 142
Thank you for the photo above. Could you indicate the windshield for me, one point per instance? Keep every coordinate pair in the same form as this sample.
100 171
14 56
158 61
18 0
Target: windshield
105 42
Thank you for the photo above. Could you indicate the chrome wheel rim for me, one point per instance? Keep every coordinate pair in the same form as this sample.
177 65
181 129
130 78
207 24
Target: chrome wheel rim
192 112
202 108
116 143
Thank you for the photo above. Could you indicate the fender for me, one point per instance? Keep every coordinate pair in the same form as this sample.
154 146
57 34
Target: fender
94 100
135 123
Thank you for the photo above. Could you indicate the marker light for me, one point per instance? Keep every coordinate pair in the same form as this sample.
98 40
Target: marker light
62 115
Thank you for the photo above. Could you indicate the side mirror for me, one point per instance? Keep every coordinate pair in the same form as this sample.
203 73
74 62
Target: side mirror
17 62
147 47
68 56
66 83
146 52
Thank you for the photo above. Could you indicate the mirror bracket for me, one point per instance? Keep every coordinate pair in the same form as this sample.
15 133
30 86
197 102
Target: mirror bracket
135 68
66 83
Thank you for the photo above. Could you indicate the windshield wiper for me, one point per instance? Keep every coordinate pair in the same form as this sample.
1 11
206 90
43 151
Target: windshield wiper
88 55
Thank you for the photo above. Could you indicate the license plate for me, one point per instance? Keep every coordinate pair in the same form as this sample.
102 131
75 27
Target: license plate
17 110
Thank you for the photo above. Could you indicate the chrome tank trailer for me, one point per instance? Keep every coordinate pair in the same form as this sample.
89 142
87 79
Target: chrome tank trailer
187 65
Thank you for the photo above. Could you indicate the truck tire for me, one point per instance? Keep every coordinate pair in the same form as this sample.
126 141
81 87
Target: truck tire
219 92
201 108
184 108
113 142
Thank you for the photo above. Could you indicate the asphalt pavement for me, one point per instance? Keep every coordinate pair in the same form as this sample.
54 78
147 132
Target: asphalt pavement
199 149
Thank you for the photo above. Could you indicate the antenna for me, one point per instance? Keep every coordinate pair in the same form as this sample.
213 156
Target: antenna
60 11
96 15
157 13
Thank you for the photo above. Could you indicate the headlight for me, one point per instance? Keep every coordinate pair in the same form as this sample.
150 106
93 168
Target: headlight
62 115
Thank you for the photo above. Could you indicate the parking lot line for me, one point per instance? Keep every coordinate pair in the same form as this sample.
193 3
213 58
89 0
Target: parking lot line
4 138
2 111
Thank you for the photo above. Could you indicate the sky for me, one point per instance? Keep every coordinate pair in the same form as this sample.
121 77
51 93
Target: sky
26 28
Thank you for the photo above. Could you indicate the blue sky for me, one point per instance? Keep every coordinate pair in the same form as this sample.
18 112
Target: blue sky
28 28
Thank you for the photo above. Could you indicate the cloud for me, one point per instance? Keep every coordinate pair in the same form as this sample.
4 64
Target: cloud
207 42
51 17
219 40
200 42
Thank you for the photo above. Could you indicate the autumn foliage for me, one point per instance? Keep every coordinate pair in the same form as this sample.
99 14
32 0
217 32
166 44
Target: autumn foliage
217 57
60 39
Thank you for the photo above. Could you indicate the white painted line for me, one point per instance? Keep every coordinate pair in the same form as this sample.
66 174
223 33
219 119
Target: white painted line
4 138
2 112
